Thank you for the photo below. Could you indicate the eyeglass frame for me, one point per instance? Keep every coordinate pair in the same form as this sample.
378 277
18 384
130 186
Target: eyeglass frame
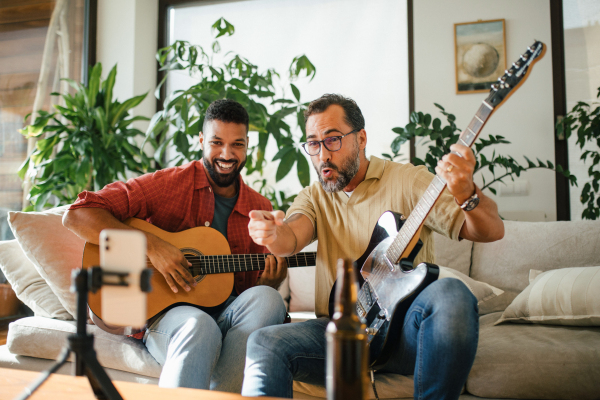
322 143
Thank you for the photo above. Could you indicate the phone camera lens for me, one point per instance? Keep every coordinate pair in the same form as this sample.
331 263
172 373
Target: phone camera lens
107 248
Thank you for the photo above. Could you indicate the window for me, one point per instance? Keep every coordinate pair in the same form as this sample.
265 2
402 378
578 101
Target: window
358 47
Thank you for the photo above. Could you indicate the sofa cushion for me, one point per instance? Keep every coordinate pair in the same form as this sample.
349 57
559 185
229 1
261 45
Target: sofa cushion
535 245
27 283
566 296
527 361
13 361
52 248
45 337
452 254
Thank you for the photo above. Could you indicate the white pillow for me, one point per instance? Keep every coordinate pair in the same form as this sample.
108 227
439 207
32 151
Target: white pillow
53 249
566 296
302 289
481 290
302 285
27 283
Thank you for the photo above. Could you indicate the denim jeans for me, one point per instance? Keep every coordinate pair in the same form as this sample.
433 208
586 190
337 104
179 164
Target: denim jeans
206 348
437 345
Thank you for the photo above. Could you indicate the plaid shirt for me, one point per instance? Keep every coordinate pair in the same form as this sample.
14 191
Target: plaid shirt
163 199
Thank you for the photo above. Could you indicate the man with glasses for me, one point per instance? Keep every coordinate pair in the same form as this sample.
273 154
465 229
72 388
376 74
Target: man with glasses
438 340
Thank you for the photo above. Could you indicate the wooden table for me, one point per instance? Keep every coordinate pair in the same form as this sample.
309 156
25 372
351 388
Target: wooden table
64 387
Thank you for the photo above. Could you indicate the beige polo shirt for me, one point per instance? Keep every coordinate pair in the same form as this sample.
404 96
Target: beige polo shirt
343 225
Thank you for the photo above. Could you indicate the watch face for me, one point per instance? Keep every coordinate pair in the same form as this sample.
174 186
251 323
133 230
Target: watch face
470 204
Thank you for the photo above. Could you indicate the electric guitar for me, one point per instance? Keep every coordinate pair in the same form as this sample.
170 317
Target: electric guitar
212 267
388 281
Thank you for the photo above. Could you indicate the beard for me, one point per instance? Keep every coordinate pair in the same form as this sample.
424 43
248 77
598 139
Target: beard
345 172
223 180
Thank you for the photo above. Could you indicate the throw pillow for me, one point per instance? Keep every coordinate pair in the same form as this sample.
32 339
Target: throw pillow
27 283
53 249
481 290
567 296
302 285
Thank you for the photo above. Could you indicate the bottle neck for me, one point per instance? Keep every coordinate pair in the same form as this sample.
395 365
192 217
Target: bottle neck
346 291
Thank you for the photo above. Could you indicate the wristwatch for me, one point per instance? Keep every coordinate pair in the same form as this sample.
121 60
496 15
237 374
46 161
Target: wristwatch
470 203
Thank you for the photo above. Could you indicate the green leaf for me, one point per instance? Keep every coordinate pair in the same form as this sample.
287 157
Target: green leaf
94 85
223 27
295 91
285 165
302 63
283 152
303 169
396 143
108 86
23 169
121 111
414 117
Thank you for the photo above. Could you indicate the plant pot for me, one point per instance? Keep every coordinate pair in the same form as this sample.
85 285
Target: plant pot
9 304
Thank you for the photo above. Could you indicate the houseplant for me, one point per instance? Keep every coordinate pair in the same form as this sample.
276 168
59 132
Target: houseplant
272 113
584 119
85 145
442 137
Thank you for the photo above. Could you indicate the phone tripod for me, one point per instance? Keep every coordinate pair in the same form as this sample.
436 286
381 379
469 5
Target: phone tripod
81 344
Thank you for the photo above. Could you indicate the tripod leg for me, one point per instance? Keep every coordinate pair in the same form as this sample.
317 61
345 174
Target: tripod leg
101 384
45 375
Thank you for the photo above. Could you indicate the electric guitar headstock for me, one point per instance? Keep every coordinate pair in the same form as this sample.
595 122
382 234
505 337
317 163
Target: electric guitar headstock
515 75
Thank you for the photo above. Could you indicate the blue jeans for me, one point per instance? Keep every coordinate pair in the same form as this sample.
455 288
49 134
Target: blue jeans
206 349
437 345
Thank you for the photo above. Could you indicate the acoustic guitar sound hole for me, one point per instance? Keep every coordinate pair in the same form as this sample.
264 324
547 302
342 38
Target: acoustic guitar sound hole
193 256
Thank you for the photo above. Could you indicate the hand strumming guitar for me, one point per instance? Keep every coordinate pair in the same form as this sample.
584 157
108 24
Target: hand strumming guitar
170 262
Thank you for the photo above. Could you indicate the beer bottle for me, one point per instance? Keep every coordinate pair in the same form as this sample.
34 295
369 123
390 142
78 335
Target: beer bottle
347 355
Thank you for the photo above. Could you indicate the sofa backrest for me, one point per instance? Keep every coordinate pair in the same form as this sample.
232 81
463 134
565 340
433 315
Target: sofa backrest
535 245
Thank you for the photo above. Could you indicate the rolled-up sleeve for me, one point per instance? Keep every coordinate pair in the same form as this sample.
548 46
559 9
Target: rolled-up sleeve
122 199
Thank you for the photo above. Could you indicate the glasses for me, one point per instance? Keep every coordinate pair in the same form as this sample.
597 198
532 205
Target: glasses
331 143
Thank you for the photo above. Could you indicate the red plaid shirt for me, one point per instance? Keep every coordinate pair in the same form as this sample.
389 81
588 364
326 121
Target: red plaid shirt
165 200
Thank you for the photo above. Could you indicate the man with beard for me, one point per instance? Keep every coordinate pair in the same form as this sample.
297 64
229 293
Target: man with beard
196 347
439 335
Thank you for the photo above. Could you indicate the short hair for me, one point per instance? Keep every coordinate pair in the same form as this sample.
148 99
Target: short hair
353 115
226 110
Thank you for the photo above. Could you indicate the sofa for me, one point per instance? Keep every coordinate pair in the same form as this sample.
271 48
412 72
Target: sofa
538 291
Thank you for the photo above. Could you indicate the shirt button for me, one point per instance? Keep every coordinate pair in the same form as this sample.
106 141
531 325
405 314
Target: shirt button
207 223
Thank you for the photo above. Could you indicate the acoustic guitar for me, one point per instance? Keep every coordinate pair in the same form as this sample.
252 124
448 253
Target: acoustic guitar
388 281
212 267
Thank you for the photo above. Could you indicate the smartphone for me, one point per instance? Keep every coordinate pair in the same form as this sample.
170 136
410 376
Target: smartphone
123 250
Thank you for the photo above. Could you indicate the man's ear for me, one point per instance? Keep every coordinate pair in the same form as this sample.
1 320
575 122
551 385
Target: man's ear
201 140
362 139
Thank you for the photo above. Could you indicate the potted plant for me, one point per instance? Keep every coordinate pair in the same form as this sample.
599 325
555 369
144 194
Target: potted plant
584 119
442 137
84 145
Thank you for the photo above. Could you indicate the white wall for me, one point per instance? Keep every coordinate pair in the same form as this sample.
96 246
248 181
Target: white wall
526 119
127 36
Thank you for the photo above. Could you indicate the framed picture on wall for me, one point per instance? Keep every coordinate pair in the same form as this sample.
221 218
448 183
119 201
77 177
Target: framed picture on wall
480 55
